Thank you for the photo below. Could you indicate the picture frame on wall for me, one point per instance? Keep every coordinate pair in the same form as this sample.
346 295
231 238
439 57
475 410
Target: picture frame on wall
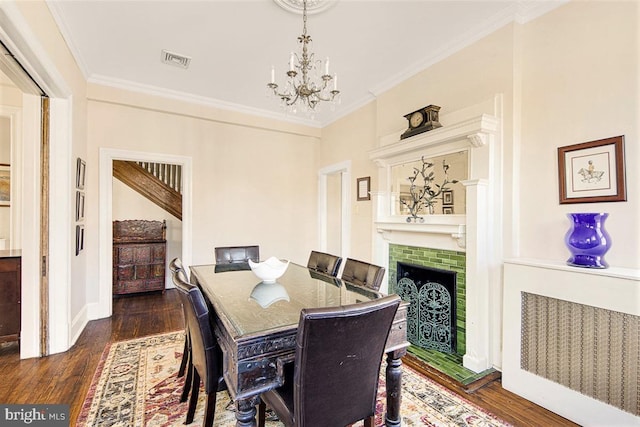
447 197
79 205
81 167
79 238
592 171
364 188
5 184
447 210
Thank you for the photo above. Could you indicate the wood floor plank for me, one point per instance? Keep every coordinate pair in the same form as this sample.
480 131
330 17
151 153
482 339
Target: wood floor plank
65 378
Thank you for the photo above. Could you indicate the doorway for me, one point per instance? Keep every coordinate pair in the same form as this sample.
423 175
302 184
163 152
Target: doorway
107 156
334 209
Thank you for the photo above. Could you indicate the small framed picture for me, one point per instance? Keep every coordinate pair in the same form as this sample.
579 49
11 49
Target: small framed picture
79 238
5 184
447 210
447 197
80 173
364 188
79 205
592 171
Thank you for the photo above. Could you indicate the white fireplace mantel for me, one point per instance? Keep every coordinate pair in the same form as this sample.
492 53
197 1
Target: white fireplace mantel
474 132
450 226
479 135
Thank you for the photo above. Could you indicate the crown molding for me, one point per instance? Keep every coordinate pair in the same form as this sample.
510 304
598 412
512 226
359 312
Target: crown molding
56 13
528 10
198 100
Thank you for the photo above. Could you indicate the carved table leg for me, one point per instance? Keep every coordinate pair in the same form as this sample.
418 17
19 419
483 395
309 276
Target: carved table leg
394 388
246 412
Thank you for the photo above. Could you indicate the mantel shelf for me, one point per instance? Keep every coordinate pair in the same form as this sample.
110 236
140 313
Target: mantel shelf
473 132
437 225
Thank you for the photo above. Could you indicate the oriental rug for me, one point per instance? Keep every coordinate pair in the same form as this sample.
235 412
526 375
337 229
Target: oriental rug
136 384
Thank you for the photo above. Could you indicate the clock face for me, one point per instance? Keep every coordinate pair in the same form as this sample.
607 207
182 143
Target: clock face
416 119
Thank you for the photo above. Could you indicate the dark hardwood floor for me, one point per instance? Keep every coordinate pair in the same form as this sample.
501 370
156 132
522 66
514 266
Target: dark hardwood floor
65 378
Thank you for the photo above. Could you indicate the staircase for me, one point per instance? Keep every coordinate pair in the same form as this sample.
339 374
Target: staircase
158 182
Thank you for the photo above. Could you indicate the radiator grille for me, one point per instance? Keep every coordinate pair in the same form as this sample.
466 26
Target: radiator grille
590 350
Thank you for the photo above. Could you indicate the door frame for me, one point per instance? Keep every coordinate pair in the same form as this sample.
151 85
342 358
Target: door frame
103 308
17 36
344 169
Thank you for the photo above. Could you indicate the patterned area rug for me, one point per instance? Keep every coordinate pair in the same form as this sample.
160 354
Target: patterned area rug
136 385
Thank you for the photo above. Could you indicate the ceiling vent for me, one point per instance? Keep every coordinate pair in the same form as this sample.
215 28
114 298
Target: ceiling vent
175 59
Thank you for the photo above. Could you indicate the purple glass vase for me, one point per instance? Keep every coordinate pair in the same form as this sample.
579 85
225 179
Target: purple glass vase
587 240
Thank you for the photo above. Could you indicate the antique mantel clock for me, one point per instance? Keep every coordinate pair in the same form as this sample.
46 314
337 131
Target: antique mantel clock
422 120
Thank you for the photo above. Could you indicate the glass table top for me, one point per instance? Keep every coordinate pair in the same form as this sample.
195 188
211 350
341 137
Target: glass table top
253 307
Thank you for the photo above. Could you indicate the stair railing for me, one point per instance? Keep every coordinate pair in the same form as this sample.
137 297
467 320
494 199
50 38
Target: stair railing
170 175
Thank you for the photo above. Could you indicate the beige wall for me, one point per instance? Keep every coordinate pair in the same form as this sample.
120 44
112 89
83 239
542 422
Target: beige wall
350 139
580 83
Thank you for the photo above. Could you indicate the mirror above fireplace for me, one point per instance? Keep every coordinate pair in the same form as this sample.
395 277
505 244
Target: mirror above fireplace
450 200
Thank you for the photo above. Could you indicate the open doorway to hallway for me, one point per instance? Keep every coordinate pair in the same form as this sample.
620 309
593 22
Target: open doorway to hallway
147 215
110 208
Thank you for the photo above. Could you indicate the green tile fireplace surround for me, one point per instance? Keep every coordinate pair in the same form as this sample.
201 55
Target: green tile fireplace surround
450 364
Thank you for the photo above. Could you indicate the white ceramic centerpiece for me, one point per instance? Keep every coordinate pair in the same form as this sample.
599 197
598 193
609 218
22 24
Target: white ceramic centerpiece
270 270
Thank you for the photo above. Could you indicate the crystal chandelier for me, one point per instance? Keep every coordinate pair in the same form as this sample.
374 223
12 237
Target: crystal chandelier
305 87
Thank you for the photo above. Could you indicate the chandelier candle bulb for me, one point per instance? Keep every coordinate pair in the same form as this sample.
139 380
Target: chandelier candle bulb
335 82
291 61
273 74
326 67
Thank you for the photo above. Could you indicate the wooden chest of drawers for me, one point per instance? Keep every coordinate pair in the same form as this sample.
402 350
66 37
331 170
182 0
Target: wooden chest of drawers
139 256
10 291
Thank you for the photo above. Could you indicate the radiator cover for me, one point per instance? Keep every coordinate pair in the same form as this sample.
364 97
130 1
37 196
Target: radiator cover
590 350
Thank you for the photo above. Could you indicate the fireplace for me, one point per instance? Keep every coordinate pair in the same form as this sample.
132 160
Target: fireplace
431 317
469 242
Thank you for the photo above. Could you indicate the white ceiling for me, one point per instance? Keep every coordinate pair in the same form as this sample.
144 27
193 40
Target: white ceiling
372 45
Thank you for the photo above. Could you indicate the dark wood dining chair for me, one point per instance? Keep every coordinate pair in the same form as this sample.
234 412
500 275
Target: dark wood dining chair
334 377
177 270
324 263
237 254
363 274
206 356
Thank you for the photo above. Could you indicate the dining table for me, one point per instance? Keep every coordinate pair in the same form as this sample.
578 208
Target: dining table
255 324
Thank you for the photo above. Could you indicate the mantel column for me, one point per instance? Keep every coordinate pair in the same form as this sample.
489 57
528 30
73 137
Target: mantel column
476 357
380 248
